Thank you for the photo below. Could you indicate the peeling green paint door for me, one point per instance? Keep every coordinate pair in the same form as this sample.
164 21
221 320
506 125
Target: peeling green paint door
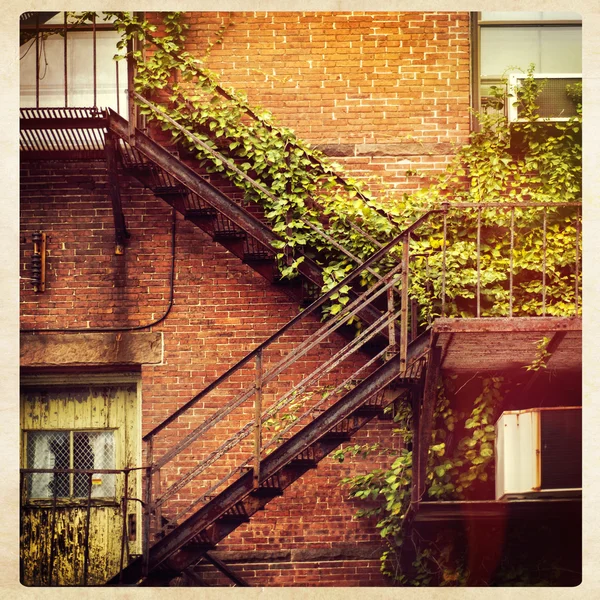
73 530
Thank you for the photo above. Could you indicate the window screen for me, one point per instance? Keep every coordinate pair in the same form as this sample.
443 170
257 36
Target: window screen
509 42
57 450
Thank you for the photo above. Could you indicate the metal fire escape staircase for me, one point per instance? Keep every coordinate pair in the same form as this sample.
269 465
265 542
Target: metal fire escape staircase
291 421
232 473
267 461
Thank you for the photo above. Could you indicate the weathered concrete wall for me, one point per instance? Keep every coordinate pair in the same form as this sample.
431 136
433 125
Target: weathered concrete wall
90 349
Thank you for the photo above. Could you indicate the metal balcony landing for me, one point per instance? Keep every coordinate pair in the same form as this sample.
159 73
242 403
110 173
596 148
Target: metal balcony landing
498 344
62 133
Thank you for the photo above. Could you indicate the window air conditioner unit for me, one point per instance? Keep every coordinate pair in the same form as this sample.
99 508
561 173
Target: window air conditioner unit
538 453
553 101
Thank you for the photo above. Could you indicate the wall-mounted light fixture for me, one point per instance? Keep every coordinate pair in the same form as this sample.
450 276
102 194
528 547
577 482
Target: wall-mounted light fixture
38 261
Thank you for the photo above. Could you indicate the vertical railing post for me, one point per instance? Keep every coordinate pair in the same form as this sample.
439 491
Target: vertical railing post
65 62
156 494
125 502
147 509
257 418
429 283
511 271
94 65
577 236
404 306
444 241
52 529
132 106
479 261
37 60
544 249
23 492
391 325
117 85
86 540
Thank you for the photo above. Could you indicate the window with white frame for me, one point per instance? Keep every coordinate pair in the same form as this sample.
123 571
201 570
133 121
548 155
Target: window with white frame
59 450
509 42
66 65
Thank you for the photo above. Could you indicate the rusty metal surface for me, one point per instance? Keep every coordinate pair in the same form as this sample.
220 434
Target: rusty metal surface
62 133
196 184
273 465
501 344
227 571
231 165
121 234
425 422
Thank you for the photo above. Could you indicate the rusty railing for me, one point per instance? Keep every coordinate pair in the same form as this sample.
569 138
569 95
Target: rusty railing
53 504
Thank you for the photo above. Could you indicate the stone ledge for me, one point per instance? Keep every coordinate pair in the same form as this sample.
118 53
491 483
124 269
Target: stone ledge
80 349
403 149
340 552
399 149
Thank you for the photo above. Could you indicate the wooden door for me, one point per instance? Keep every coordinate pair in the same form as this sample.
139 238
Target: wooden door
76 528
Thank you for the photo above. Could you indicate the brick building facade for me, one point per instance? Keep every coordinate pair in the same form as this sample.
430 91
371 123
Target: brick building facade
388 96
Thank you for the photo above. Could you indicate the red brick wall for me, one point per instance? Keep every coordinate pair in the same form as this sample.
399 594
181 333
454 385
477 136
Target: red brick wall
384 93
222 310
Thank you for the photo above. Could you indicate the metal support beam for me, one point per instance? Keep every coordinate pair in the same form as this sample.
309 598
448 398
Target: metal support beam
425 421
121 233
219 564
132 106
404 306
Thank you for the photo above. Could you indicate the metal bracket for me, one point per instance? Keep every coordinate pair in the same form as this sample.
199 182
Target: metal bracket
121 233
38 261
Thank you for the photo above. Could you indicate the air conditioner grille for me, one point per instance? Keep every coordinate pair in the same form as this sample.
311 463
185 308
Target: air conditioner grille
553 100
560 449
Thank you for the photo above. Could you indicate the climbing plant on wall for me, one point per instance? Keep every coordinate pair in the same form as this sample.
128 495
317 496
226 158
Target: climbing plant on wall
502 168
301 191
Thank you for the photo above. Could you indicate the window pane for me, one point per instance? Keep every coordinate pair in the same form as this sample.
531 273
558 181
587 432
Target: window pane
80 71
94 450
561 50
551 50
48 450
51 450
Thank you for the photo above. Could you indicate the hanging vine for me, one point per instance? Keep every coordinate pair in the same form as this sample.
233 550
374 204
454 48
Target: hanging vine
504 163
307 192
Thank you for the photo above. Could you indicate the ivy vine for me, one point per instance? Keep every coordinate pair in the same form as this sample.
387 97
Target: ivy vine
520 260
527 161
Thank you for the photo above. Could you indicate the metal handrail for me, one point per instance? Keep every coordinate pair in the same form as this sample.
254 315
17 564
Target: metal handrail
307 311
245 431
156 499
255 184
328 328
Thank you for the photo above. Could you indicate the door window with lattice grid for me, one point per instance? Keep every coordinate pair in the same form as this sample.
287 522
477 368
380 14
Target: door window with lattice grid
85 450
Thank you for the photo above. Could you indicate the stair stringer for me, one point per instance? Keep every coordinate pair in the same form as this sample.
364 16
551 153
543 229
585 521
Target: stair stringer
187 543
193 182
